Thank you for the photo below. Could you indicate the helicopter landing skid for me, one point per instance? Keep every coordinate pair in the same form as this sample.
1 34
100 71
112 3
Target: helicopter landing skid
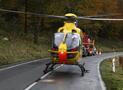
50 67
82 68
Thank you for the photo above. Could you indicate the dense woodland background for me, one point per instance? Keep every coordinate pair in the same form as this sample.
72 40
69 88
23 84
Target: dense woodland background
13 22
19 31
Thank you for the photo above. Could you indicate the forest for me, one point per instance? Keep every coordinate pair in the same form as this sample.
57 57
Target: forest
25 23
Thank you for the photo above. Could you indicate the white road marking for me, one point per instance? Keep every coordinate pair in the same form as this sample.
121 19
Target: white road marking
103 87
2 69
33 84
47 80
30 86
50 72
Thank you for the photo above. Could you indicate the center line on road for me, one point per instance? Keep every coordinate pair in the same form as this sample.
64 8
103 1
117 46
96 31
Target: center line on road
50 72
33 84
30 86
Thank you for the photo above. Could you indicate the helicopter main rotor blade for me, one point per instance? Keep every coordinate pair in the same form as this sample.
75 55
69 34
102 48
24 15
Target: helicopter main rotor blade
97 16
105 19
63 17
100 19
31 13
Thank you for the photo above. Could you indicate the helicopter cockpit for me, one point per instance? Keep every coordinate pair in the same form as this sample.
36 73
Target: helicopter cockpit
72 40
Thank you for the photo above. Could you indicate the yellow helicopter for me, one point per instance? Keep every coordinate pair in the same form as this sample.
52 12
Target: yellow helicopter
67 44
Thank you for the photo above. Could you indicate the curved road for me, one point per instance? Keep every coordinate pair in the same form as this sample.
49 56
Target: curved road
29 76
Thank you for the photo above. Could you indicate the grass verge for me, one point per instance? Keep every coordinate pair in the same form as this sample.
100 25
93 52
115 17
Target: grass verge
107 45
22 48
113 81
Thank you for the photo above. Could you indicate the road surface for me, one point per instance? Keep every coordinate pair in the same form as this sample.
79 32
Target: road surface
29 76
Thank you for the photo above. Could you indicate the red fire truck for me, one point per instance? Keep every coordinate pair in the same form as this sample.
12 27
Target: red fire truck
88 46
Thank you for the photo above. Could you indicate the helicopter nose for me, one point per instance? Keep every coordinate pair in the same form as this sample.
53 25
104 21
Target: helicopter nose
62 56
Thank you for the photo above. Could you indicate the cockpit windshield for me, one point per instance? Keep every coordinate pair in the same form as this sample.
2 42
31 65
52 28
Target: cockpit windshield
71 40
58 38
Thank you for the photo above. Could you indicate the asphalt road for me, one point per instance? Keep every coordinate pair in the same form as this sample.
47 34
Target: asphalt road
66 77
